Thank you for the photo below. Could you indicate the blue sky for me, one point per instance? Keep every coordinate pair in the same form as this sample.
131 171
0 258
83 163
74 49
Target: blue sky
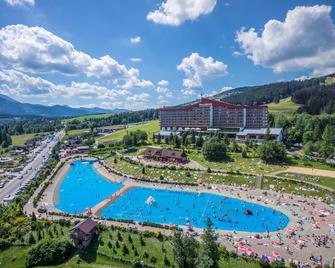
144 53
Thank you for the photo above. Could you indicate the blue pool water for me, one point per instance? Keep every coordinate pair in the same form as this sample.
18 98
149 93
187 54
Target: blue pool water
181 207
82 187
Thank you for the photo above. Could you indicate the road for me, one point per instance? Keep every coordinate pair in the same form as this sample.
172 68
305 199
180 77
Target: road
32 169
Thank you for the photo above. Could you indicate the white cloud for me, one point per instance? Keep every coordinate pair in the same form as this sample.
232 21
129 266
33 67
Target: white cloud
18 84
188 92
237 53
136 59
175 12
35 50
142 97
20 2
135 39
163 83
226 88
197 69
305 40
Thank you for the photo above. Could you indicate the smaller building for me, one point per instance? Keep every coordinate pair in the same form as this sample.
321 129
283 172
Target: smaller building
83 233
6 161
110 129
82 149
258 135
160 154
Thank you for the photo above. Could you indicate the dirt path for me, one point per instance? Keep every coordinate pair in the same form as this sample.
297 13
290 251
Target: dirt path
307 171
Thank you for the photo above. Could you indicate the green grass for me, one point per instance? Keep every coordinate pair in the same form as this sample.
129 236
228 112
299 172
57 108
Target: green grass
285 106
19 140
235 162
295 187
76 131
181 175
298 162
149 126
13 257
325 181
86 117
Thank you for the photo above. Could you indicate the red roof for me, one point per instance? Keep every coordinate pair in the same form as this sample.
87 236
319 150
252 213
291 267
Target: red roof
214 103
86 226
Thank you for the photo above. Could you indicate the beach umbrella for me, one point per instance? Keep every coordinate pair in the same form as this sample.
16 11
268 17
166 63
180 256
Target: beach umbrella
249 251
276 254
241 248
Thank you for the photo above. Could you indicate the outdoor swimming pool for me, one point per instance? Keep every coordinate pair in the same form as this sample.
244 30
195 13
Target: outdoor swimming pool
183 208
82 187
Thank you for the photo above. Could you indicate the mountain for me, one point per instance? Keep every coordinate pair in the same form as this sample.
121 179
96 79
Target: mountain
273 92
11 107
314 95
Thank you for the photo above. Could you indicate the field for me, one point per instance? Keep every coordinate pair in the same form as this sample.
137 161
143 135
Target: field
19 140
150 127
285 106
76 131
85 117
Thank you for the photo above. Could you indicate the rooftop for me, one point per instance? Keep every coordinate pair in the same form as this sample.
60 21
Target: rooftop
260 131
86 226
215 103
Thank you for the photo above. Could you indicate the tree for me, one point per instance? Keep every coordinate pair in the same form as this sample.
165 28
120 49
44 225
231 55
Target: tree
328 141
234 147
272 151
244 153
226 139
184 250
49 252
209 254
214 149
199 141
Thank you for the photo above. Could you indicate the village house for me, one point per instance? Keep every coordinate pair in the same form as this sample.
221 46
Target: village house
110 129
83 233
160 154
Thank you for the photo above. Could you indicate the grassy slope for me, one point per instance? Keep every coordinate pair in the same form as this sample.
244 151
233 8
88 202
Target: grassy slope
285 106
150 127
83 117
19 140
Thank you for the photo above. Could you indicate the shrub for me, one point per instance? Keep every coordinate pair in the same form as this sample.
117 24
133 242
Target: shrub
49 252
214 149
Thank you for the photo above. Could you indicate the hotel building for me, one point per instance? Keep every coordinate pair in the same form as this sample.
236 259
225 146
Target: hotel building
211 114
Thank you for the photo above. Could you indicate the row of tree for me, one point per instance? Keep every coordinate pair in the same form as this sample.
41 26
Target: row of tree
5 139
135 138
114 119
316 133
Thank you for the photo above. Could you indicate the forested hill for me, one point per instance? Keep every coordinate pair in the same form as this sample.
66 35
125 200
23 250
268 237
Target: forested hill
315 95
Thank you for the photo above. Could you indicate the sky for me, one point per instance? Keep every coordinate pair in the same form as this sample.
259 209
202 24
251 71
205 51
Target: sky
139 54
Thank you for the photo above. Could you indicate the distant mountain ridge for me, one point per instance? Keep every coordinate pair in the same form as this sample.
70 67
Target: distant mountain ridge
11 107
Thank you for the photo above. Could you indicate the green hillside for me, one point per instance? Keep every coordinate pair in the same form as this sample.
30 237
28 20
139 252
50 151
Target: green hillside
149 126
285 106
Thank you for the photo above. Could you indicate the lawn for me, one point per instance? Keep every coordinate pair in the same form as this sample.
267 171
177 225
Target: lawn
285 106
235 162
20 140
295 187
149 126
325 181
181 175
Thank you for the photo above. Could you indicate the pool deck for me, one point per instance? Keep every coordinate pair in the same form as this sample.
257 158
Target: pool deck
300 211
